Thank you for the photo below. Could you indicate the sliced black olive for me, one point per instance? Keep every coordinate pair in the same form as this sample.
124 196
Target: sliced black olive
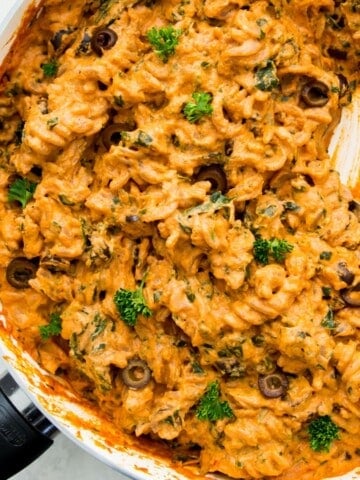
273 385
19 271
215 175
344 273
337 53
102 86
37 171
137 374
132 218
103 39
315 93
351 296
112 135
354 206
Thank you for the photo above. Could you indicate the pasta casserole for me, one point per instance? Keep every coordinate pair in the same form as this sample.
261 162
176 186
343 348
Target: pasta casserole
175 244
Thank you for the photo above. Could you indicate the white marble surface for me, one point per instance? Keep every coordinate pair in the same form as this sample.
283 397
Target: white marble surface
65 461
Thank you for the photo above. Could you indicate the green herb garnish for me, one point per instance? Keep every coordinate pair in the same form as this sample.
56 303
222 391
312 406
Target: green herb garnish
211 407
275 248
119 101
329 321
143 139
164 41
53 328
322 431
266 78
197 368
291 206
130 304
100 324
201 107
326 292
325 255
50 68
104 8
52 122
217 202
22 191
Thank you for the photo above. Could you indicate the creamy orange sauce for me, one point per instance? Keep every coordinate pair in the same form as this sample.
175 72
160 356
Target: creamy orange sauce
116 209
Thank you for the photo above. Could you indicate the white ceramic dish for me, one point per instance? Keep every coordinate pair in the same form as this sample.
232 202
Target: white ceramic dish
81 424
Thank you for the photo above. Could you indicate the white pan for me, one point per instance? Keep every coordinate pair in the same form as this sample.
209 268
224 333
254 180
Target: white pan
24 437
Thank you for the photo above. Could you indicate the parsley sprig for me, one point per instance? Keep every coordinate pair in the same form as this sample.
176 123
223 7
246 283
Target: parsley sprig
322 432
274 248
53 328
22 191
130 304
164 41
200 107
50 68
211 407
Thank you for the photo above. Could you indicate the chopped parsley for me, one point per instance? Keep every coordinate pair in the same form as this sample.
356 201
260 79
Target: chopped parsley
53 328
22 191
322 432
143 139
50 69
274 248
326 292
291 206
197 368
104 8
329 320
52 122
266 78
99 326
218 197
200 107
164 41
217 202
130 304
211 407
119 101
